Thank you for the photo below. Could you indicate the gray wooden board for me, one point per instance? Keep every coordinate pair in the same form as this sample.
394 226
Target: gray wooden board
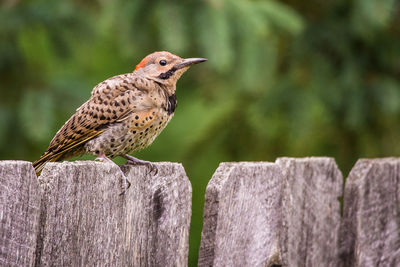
19 213
242 216
370 232
87 223
311 211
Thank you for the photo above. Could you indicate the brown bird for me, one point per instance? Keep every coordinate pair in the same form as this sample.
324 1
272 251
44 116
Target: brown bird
124 114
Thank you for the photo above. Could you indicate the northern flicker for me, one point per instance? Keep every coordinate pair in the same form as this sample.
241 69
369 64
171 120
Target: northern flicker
124 114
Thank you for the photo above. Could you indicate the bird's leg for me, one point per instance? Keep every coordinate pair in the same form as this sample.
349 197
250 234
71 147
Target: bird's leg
126 183
135 161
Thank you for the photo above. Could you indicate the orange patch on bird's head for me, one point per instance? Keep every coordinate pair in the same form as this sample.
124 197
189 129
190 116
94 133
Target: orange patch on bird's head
142 63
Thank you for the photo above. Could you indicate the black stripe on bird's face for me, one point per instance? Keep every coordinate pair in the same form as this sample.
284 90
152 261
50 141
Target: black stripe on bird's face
169 73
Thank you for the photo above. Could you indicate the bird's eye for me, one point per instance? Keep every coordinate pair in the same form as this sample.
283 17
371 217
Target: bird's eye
163 62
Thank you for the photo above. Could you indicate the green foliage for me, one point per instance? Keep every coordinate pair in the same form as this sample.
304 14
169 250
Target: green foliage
284 78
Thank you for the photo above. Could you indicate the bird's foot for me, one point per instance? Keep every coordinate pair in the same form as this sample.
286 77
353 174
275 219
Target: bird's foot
135 161
103 158
125 183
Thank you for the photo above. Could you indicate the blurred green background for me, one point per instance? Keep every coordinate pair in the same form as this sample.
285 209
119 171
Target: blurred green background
284 78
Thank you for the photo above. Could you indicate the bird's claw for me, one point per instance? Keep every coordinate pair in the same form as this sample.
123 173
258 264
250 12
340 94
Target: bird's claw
125 185
152 167
99 159
103 158
125 182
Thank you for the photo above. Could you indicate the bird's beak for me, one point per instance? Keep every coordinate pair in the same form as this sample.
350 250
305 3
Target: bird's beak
188 62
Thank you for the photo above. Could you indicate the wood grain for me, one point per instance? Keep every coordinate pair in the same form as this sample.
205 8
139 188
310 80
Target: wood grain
370 232
242 216
87 222
311 211
19 213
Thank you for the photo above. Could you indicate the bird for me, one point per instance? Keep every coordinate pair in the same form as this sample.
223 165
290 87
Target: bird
124 113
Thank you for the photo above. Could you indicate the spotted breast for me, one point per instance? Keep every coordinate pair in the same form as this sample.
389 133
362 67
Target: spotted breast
147 116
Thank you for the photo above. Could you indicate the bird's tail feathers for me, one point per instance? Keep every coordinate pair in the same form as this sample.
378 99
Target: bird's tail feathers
47 157
54 156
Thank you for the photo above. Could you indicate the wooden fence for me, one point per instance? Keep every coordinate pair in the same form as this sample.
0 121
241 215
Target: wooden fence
285 213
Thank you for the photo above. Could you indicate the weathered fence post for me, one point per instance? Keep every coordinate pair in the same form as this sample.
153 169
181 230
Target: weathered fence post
370 232
19 213
242 216
311 211
87 223
265 214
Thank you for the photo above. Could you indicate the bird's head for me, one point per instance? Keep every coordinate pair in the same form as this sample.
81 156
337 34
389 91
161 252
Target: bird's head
165 68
